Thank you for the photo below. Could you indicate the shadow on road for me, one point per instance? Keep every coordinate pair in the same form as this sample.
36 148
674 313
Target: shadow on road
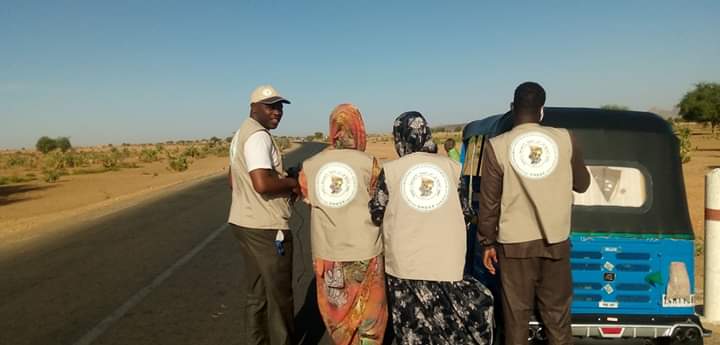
308 322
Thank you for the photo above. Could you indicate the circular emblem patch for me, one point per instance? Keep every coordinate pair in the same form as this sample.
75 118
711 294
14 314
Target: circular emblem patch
534 155
336 184
425 187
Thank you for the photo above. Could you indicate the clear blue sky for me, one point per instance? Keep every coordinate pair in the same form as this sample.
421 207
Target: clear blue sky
149 71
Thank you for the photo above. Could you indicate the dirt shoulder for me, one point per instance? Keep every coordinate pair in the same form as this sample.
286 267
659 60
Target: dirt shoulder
33 208
28 209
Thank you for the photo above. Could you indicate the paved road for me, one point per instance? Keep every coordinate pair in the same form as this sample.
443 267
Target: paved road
166 271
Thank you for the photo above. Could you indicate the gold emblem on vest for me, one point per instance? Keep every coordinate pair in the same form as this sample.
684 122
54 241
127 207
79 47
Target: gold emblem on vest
426 187
336 184
535 154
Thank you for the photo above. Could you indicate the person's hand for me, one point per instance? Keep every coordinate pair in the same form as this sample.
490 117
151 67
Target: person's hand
490 258
292 172
294 194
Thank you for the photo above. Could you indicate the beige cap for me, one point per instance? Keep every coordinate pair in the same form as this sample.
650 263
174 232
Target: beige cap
266 94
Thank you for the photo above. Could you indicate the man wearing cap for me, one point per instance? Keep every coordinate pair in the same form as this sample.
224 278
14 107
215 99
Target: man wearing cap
528 175
259 216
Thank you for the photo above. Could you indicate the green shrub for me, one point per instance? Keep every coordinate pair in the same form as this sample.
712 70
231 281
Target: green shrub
54 160
191 151
51 175
53 166
683 135
74 159
149 155
112 160
222 150
20 160
178 163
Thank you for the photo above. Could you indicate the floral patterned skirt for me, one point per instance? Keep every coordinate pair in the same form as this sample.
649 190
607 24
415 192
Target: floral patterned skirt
351 299
432 312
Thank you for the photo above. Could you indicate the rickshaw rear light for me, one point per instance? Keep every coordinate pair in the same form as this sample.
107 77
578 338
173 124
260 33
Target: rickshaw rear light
678 287
611 332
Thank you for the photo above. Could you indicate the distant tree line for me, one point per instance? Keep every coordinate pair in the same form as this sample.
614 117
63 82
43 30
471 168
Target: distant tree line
615 107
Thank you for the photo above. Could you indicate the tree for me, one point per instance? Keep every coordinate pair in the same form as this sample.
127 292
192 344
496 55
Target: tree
45 144
615 107
318 135
63 143
702 104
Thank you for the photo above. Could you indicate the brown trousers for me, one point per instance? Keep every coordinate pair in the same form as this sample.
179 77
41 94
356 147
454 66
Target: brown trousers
269 317
531 280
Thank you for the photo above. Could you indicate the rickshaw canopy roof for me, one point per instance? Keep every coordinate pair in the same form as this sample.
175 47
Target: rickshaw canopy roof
611 138
576 118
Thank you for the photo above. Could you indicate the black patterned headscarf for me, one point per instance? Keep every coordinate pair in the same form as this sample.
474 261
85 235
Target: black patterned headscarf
412 134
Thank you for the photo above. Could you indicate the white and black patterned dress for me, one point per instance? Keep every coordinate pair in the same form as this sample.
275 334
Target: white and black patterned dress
432 312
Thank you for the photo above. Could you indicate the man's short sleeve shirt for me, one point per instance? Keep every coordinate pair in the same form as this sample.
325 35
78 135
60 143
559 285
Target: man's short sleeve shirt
260 153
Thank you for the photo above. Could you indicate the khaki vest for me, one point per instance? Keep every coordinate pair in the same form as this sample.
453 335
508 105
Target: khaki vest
341 228
424 228
249 208
536 199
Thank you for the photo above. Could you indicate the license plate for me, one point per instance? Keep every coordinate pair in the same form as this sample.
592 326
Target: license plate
604 304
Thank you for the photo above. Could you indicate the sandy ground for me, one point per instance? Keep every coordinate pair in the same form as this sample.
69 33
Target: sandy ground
27 209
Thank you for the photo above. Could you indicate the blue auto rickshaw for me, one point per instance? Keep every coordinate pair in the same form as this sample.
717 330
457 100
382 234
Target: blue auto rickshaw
633 246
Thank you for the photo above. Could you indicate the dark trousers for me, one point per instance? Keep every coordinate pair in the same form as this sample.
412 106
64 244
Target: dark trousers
524 282
268 282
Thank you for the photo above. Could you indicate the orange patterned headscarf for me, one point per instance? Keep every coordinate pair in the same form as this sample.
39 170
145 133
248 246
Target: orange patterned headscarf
347 129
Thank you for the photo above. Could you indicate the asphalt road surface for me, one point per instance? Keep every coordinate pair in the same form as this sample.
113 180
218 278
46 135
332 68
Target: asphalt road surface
166 271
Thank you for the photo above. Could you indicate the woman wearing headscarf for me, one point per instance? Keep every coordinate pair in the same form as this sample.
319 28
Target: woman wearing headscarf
417 202
346 245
